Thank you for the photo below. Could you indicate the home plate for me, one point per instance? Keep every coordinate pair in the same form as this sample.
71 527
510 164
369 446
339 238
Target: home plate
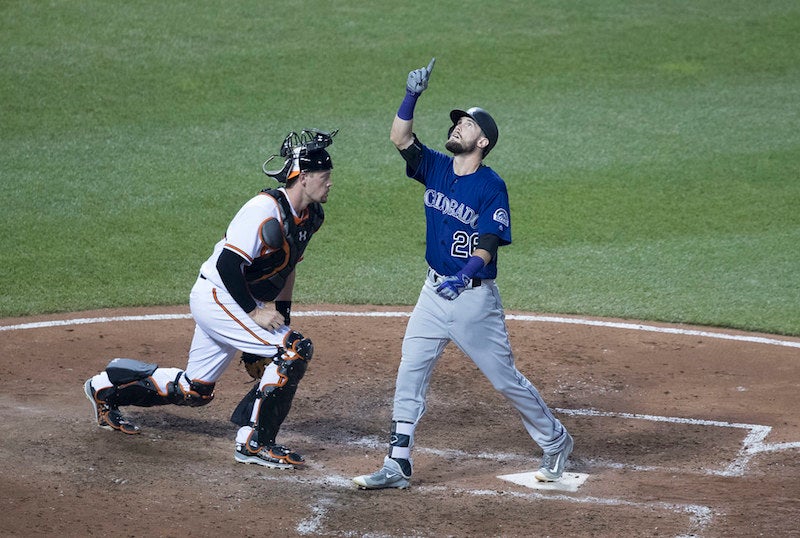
568 482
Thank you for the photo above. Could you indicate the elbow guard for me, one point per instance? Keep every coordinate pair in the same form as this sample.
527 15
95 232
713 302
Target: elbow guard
489 243
413 154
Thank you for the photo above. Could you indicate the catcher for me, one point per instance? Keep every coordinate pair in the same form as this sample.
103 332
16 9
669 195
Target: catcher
241 301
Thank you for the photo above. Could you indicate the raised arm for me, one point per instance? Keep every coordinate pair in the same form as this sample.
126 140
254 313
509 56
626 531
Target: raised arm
401 134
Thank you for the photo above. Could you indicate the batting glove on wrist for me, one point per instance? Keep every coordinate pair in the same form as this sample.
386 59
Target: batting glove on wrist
418 79
452 286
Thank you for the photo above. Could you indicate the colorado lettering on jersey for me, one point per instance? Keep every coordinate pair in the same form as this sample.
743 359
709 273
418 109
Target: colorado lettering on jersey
452 208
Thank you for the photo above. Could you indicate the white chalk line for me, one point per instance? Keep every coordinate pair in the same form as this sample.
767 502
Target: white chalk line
752 444
87 321
701 516
513 317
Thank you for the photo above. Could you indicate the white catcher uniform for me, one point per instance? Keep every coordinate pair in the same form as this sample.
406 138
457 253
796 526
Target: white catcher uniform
222 327
253 264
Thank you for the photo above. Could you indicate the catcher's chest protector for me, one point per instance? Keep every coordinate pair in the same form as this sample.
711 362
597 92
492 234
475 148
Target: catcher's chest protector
267 274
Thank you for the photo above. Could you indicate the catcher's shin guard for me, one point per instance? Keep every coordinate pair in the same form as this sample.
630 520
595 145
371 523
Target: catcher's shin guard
146 385
269 404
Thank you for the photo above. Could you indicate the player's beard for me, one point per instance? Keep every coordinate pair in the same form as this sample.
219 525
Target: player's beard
457 147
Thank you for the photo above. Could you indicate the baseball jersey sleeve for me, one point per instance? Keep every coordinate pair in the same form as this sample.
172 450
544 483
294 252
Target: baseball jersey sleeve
244 231
433 164
494 216
242 235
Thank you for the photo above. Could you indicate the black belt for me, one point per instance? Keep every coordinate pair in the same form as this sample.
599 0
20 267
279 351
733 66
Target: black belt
436 277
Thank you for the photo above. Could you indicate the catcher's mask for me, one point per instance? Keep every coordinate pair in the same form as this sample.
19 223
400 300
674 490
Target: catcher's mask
304 152
484 121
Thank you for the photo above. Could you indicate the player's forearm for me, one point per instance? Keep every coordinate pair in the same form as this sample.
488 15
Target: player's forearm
287 290
485 255
401 134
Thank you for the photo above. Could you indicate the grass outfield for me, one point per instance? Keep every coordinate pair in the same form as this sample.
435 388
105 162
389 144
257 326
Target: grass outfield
651 149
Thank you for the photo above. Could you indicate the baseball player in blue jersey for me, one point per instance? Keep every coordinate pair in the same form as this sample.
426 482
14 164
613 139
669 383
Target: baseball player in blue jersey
467 218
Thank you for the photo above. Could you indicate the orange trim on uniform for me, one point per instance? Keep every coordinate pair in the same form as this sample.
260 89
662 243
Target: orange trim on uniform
302 217
237 320
268 250
283 379
239 251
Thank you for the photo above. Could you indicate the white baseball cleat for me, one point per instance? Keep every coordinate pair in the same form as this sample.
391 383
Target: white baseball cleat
389 476
552 466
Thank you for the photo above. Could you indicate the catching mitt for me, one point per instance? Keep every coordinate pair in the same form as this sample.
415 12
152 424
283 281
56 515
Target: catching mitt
255 365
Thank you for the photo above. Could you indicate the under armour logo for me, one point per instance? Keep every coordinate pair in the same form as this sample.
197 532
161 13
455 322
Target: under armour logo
303 235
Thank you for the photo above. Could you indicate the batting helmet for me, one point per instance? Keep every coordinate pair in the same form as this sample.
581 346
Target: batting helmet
484 121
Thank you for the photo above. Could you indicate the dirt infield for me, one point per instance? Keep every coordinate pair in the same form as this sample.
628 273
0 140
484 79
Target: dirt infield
688 432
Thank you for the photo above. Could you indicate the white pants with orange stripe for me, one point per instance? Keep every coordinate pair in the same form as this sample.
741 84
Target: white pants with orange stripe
222 328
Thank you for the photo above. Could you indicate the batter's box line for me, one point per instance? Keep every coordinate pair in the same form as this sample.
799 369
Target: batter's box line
700 516
752 444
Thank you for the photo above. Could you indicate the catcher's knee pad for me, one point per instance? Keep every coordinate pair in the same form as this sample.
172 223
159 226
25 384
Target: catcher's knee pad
121 371
132 384
295 347
293 361
266 406
274 403
295 342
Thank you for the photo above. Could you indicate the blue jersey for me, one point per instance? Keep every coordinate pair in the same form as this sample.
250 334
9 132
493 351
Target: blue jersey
458 209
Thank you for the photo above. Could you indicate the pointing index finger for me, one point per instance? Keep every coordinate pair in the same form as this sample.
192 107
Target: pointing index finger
430 65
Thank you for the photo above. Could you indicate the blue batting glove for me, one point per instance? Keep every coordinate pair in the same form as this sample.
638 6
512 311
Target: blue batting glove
452 286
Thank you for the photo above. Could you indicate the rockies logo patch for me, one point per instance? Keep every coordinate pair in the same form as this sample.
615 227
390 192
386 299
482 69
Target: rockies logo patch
501 216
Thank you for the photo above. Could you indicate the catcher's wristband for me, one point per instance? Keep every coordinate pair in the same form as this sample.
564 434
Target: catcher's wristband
285 308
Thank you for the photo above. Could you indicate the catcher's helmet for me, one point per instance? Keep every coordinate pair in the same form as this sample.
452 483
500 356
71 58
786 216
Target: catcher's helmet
313 160
302 152
484 121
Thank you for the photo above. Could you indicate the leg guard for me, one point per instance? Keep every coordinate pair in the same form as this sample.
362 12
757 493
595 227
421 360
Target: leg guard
145 385
273 401
400 445
270 402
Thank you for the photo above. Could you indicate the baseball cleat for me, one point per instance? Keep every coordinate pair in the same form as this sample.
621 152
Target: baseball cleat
552 466
389 476
107 417
273 456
